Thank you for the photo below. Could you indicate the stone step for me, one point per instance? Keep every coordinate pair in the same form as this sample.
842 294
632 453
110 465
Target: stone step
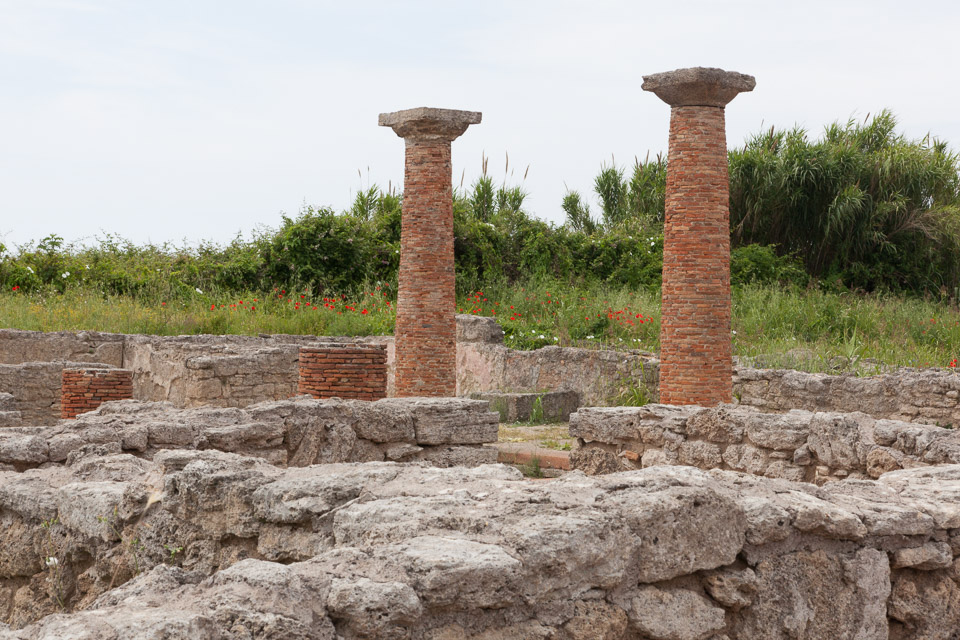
556 406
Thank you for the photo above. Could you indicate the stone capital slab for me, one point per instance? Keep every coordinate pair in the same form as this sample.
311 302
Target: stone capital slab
698 86
427 123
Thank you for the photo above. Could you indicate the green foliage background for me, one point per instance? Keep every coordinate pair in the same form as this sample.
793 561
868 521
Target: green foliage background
862 208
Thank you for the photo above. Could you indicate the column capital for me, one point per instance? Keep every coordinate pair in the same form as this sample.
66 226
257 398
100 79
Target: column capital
427 123
698 86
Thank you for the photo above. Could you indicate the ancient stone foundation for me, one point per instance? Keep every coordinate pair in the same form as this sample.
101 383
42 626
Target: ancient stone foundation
296 432
35 387
84 390
696 362
228 546
426 298
797 445
343 370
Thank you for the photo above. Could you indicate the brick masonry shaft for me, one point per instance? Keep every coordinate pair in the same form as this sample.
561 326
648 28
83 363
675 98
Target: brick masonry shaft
695 352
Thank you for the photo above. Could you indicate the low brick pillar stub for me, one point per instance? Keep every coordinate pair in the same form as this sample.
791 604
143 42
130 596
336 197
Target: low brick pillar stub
84 390
696 363
343 370
426 352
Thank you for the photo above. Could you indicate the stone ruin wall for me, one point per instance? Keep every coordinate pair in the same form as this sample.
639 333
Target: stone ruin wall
233 547
297 432
10 415
927 396
236 371
799 445
228 505
194 371
35 389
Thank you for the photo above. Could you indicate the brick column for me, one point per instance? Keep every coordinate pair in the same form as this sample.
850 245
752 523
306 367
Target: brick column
426 348
84 390
343 370
696 366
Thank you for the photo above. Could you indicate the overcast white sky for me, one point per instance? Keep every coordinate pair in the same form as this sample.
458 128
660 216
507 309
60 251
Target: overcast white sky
196 119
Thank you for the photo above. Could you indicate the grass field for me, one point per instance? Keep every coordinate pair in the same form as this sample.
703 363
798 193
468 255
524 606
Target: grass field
807 329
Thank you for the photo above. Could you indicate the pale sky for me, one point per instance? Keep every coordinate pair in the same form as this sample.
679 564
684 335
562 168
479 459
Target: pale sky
197 120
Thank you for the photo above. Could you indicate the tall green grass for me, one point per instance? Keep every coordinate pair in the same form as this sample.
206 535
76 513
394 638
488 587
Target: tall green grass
799 328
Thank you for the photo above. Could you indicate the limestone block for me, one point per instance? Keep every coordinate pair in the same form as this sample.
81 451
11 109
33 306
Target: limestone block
456 455
783 432
458 573
673 614
733 588
816 594
933 555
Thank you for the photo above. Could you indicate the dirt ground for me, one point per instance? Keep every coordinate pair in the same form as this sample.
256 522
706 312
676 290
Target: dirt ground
555 436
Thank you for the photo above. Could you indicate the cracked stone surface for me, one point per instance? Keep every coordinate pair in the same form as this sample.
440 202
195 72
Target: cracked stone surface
210 544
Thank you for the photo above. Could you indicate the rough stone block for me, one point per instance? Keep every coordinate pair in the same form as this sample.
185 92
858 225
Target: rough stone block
554 406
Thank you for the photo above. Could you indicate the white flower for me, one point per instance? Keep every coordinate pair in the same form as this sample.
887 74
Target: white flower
734 332
197 289
589 337
542 336
87 266
65 274
52 561
29 269
556 339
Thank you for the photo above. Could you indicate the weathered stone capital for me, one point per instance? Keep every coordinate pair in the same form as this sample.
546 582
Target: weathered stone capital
698 86
427 123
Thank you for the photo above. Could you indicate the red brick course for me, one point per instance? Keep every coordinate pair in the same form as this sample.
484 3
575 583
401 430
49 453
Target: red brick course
426 328
84 390
349 371
696 366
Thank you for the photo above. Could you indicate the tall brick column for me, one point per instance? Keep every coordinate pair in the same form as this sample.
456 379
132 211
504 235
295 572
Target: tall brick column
426 347
696 366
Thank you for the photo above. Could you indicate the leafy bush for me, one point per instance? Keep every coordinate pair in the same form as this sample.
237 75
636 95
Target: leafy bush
861 208
863 205
760 264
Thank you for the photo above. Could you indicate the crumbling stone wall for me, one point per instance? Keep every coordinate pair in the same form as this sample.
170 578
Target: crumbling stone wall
242 370
382 550
224 371
797 445
17 347
295 432
9 414
86 389
35 387
930 396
